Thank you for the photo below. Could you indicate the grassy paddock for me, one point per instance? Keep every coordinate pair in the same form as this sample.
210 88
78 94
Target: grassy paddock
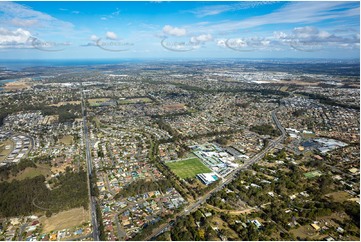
134 100
97 101
66 140
65 103
5 152
31 172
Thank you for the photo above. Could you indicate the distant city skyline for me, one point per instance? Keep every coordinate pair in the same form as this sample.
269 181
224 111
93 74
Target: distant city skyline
179 30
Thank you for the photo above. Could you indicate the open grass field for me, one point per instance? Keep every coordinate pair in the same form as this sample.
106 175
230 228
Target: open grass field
134 100
188 168
66 140
5 149
308 136
242 210
97 101
306 231
339 196
97 122
329 221
312 174
65 103
284 88
31 172
65 219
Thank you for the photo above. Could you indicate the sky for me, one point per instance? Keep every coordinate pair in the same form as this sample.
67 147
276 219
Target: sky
179 30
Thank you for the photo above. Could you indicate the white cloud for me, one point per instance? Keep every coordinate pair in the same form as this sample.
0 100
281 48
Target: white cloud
279 35
111 15
67 10
312 37
116 13
290 13
324 34
305 32
211 10
24 22
174 31
218 9
221 42
94 37
20 15
307 38
201 38
14 38
111 35
240 43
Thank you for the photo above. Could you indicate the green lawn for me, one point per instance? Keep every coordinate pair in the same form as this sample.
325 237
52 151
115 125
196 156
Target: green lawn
312 174
135 100
188 168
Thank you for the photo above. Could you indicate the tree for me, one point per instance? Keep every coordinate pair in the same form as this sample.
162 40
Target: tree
210 233
222 140
252 232
265 129
48 213
325 182
197 215
17 197
353 210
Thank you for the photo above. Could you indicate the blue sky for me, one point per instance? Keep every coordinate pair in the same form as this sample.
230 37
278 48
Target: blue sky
181 30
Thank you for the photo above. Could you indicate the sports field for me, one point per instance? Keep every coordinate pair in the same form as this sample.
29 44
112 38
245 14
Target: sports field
188 168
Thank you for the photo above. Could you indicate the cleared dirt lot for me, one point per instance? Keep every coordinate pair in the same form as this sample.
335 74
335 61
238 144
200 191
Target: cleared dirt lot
18 85
65 219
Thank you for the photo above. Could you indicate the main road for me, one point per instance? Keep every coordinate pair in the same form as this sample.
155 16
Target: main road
92 199
192 207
